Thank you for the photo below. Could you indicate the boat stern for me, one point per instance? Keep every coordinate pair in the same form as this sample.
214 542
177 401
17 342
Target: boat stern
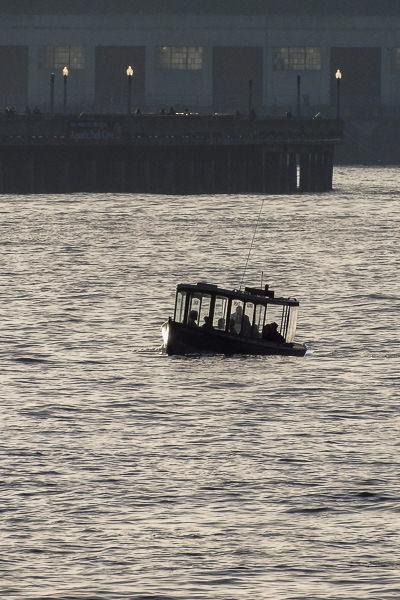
165 333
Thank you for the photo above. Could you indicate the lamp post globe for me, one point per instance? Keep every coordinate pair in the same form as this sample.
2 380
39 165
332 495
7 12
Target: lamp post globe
298 96
338 76
52 79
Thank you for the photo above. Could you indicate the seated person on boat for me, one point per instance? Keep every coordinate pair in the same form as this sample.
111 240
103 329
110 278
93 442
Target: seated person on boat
192 319
270 332
207 323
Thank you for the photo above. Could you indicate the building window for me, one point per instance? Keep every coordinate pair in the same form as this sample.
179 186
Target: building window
181 58
297 59
57 57
396 58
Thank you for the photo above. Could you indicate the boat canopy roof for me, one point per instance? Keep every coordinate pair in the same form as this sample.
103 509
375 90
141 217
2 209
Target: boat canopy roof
259 295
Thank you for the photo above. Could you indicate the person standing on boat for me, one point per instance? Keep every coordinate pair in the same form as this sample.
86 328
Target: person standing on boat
232 329
237 319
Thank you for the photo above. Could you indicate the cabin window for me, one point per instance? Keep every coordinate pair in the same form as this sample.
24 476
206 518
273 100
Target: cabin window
194 308
248 319
292 324
258 320
236 317
180 307
220 310
204 314
285 320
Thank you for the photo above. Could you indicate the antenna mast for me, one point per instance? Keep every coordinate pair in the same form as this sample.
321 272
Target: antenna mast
251 246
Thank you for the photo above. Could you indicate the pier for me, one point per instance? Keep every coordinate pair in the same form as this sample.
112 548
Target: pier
166 154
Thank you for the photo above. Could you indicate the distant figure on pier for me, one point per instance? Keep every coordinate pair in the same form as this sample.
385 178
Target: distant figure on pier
289 114
171 111
10 111
138 112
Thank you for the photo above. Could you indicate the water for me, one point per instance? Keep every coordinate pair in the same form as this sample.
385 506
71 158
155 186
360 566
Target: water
129 474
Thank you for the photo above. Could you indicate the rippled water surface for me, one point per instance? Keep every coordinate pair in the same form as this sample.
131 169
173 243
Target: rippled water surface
129 474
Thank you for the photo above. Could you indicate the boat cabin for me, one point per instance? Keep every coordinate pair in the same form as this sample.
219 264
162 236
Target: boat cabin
252 313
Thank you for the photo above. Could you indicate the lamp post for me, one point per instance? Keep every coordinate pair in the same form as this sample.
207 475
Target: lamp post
338 76
129 74
52 76
250 97
298 96
65 73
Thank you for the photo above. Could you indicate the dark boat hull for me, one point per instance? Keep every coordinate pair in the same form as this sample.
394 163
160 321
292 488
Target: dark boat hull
183 339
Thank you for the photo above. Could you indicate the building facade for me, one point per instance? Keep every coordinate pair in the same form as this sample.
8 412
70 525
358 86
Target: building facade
202 55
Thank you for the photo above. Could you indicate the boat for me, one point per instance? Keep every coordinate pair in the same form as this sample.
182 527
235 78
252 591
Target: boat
212 320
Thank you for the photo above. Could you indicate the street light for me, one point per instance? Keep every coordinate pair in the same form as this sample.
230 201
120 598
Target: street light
298 96
250 97
52 76
129 74
65 73
338 76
